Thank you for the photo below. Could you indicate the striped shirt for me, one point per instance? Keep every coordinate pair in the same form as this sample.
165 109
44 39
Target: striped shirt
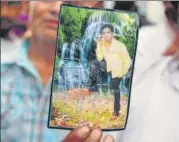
24 102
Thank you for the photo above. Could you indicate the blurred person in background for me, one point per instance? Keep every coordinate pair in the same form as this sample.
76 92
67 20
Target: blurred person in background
131 6
26 80
13 25
154 107
13 19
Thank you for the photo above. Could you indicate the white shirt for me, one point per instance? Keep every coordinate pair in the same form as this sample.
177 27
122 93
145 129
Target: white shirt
9 49
154 108
154 113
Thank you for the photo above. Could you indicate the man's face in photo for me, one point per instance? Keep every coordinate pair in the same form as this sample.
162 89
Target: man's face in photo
107 34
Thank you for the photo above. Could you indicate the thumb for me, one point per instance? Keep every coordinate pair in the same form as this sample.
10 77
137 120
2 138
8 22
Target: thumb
78 135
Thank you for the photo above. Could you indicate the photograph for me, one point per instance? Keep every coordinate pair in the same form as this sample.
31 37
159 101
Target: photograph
93 68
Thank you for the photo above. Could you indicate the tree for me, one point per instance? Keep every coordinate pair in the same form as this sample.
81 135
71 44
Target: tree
71 22
129 36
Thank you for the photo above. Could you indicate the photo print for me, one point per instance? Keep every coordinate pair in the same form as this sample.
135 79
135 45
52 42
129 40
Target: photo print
93 68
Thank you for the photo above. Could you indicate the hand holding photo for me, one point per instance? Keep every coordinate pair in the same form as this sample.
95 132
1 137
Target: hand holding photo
93 68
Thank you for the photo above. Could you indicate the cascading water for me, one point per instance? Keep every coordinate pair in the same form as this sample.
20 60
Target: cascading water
64 51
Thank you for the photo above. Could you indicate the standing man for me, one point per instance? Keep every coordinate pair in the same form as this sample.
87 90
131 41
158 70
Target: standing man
112 59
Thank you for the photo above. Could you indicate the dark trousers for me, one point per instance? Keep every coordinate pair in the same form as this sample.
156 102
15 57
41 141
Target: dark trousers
98 70
115 82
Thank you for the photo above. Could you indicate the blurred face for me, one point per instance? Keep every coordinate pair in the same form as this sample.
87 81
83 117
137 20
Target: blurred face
107 34
44 21
10 10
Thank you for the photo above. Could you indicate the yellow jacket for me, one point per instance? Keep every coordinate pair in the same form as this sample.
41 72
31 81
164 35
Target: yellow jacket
116 56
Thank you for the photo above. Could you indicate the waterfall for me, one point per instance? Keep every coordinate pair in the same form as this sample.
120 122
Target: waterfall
72 51
64 49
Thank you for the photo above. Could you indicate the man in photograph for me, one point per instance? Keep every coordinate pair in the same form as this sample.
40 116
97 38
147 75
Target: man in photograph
113 60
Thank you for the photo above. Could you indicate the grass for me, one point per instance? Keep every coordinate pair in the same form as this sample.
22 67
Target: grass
95 111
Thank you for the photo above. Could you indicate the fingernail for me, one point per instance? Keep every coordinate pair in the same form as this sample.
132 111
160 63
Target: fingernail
96 134
109 139
83 131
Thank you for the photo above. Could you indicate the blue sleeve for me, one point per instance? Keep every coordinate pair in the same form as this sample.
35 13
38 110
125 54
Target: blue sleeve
11 106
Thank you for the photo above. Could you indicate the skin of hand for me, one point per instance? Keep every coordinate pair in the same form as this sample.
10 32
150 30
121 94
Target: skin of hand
85 134
173 48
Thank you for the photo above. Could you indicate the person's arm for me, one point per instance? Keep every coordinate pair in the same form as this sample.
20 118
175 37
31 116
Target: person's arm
11 108
125 59
99 52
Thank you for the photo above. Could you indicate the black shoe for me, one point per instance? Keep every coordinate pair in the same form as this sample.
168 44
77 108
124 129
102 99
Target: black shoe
115 115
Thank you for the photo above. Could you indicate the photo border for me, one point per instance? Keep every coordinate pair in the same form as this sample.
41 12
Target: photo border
132 70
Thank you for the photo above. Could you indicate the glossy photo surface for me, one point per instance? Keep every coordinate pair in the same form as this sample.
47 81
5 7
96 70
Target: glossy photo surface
93 68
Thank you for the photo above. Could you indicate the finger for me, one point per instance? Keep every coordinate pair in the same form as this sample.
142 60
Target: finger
95 136
108 139
78 135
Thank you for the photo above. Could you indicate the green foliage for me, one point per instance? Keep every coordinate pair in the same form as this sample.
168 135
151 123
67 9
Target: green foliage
71 22
129 35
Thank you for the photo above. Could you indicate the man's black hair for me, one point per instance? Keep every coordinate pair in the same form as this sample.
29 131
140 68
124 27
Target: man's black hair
109 26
